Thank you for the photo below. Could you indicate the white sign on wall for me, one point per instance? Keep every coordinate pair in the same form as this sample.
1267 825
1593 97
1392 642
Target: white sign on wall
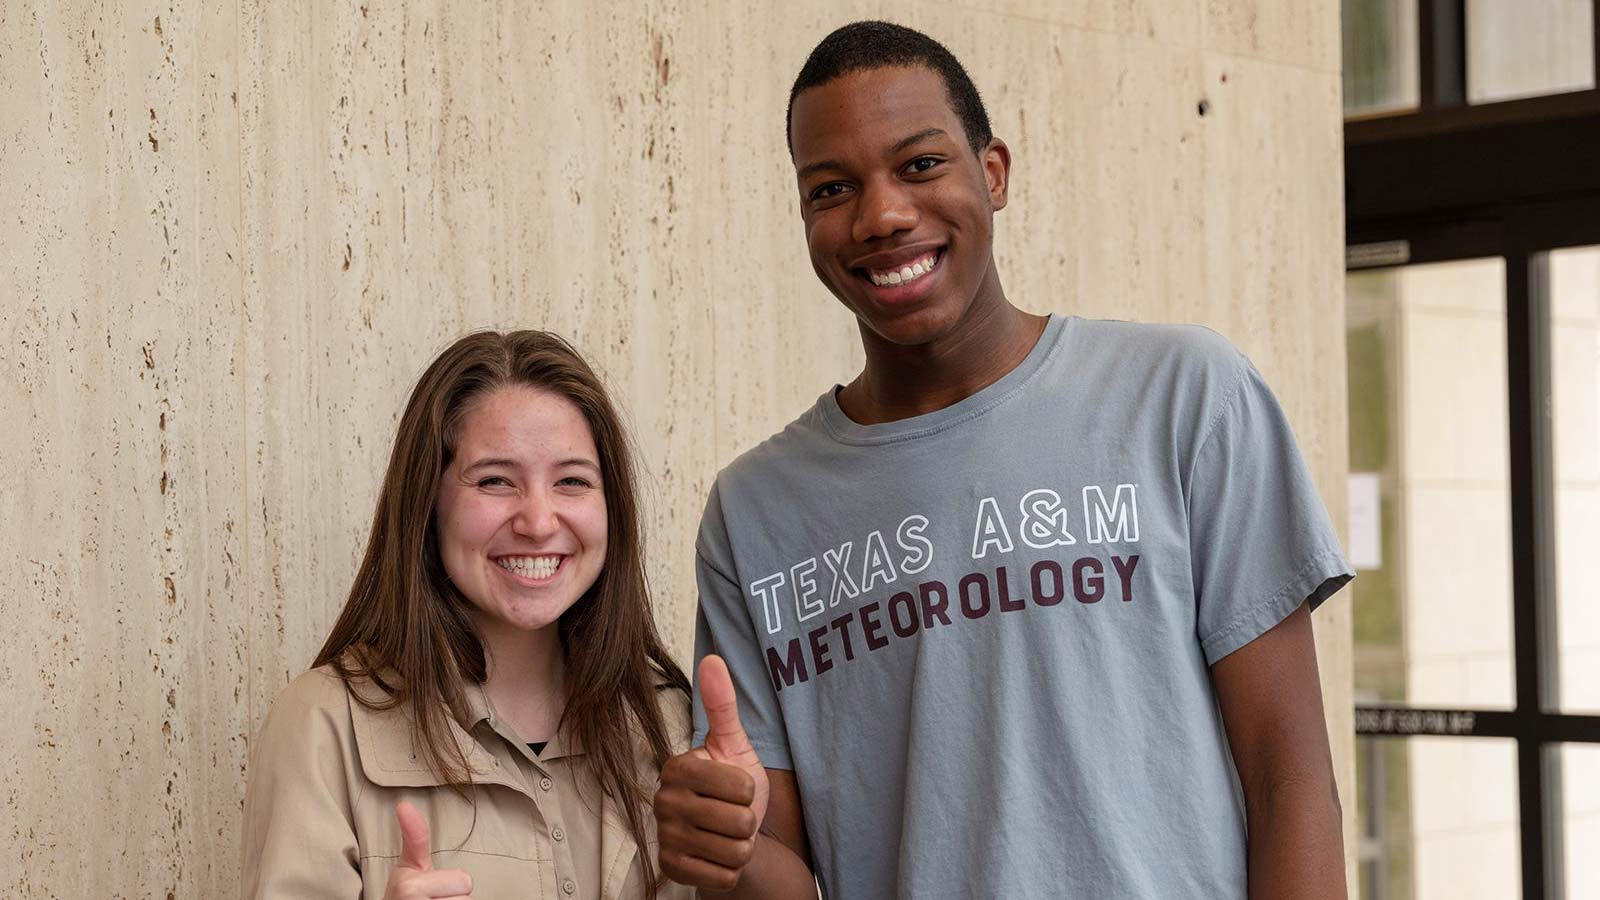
1366 521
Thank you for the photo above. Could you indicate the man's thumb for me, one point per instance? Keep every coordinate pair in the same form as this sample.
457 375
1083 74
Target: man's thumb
725 737
414 850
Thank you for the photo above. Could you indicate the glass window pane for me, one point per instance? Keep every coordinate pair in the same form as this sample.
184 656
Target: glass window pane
1575 419
1430 495
1438 819
1580 818
1380 57
1524 49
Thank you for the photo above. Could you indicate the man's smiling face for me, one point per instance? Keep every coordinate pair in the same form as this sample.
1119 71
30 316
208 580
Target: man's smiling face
898 209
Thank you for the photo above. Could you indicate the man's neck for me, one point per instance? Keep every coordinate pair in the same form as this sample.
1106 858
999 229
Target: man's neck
899 382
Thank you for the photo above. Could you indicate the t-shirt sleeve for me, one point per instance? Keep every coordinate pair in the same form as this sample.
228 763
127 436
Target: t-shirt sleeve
723 626
1260 540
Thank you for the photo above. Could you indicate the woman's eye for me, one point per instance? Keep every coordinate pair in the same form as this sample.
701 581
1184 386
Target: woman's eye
492 481
573 481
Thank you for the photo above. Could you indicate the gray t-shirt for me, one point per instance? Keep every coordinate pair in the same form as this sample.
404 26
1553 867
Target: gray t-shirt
981 637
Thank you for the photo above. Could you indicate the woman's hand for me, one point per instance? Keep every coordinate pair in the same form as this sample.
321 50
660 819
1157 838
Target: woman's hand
414 877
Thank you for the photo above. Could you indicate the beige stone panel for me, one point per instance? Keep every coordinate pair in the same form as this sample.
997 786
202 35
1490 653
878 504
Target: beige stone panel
1172 23
122 518
1274 286
776 337
1102 130
1469 863
1299 33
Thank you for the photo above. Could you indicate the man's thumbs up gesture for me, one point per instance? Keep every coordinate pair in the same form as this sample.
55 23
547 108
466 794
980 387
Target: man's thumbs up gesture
712 798
414 877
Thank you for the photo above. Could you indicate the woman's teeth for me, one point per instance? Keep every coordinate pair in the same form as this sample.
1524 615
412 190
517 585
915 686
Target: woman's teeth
917 269
535 567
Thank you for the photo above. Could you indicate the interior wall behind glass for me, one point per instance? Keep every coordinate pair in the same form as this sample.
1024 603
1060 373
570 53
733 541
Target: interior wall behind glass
1380 56
1575 420
1521 49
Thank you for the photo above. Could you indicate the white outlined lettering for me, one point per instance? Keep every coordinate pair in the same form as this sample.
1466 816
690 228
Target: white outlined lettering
1116 522
911 538
767 590
990 530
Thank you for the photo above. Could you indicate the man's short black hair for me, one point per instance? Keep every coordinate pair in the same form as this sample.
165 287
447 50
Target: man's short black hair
863 46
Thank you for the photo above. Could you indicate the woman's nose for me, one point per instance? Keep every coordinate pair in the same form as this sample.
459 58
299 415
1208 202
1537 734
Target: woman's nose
537 518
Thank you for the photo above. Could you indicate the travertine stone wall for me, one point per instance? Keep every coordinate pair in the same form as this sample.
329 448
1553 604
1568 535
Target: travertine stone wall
235 230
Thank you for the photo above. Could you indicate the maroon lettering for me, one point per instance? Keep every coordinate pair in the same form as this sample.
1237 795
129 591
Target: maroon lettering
819 651
1002 588
870 626
1057 588
930 609
1125 567
1088 580
786 670
842 625
897 603
968 608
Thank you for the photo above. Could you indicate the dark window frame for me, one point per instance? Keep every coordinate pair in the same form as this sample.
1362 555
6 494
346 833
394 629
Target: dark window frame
1514 179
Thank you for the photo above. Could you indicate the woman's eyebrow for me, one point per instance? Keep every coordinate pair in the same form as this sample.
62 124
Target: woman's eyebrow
490 462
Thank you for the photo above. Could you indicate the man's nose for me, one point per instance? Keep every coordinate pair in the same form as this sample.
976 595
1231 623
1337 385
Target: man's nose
884 210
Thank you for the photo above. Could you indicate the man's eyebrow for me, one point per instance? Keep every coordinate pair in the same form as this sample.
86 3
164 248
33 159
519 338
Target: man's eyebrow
826 165
836 166
920 136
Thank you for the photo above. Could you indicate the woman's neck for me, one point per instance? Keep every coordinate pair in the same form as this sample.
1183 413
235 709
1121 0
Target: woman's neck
526 681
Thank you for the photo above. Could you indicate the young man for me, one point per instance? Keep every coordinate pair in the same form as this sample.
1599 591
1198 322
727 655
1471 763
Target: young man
997 611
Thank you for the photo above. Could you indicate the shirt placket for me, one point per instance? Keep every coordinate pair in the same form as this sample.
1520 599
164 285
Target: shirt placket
547 793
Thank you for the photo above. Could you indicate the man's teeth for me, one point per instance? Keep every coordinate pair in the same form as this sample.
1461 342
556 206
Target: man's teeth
536 567
887 277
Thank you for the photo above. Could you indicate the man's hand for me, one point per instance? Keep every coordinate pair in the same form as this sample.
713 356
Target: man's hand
414 877
712 798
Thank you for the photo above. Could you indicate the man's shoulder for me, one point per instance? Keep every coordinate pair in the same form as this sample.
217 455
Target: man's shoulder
1179 342
777 453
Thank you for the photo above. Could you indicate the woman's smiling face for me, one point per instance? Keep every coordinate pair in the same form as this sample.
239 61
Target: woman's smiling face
521 511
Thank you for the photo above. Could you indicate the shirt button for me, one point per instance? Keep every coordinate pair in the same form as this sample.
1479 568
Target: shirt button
558 834
568 886
545 783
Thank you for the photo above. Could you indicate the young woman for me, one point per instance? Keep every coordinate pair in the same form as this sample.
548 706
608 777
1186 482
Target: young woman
491 711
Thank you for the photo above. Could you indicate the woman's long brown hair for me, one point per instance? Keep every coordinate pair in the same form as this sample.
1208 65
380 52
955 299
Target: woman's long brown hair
406 629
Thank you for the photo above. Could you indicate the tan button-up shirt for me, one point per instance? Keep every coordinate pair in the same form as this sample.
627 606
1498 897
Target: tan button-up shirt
326 773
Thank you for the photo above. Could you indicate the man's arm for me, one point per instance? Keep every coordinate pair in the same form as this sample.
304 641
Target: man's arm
1271 706
780 868
727 824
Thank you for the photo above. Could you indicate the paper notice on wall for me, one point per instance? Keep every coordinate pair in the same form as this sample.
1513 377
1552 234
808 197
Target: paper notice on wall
1366 521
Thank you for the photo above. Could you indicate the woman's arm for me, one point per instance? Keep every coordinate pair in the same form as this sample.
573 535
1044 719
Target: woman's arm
299 840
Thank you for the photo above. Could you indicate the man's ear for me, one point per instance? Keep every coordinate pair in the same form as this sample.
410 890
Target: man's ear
996 159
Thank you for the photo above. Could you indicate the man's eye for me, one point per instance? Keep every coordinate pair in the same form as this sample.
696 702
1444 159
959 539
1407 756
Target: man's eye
828 191
922 164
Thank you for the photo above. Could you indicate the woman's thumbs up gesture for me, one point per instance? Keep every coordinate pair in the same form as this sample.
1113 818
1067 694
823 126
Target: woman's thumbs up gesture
414 877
